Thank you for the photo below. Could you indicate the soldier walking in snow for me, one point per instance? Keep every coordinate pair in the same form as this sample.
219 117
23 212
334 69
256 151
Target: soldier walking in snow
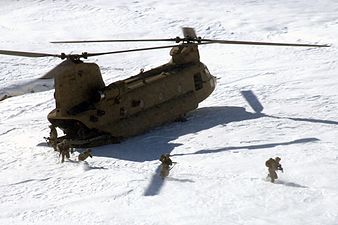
64 148
84 155
165 166
53 135
273 165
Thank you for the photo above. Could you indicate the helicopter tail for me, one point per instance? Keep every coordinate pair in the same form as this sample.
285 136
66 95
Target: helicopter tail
189 32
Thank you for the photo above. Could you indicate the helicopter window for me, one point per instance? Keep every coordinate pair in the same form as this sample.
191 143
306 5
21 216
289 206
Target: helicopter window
135 103
80 73
198 81
123 112
93 118
100 112
117 100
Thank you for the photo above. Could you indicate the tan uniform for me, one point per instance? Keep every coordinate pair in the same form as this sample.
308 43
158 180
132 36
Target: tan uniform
64 149
165 167
84 155
273 165
53 135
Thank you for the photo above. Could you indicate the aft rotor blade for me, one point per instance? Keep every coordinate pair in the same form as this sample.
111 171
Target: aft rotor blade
262 43
27 54
112 40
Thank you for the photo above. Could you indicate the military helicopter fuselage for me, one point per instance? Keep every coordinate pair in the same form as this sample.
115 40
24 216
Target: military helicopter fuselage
91 113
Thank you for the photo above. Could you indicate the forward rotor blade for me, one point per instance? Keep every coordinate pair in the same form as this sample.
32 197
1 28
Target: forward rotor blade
136 50
27 54
262 43
112 40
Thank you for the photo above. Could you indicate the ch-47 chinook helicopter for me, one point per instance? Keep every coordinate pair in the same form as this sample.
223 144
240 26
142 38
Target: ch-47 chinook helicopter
91 113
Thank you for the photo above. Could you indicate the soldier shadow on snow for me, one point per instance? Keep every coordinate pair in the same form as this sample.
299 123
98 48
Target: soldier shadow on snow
43 144
85 165
290 184
157 182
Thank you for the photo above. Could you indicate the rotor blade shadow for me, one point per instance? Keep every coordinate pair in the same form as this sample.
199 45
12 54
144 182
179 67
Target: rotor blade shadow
43 83
305 120
257 106
253 101
31 86
252 147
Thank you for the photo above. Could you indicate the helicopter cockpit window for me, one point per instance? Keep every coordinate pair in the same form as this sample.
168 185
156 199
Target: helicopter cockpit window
135 103
198 81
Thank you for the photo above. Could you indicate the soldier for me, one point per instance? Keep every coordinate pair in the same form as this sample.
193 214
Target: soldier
165 167
273 165
53 135
84 155
64 148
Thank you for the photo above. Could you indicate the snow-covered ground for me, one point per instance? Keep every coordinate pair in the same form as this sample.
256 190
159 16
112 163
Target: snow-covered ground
220 150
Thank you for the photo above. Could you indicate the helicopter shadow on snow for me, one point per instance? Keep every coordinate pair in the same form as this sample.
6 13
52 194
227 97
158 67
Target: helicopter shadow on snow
151 145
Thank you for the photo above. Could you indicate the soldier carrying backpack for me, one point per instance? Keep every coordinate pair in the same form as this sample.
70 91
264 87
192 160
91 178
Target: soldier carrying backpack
273 165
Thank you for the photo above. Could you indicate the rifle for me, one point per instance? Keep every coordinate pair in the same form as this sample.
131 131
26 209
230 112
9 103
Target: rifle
174 163
47 139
